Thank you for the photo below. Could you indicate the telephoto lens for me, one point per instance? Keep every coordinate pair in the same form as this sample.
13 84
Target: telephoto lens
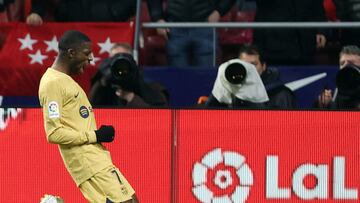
125 72
122 65
348 81
235 73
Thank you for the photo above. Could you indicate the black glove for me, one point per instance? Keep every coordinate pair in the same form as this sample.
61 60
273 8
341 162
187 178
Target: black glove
105 133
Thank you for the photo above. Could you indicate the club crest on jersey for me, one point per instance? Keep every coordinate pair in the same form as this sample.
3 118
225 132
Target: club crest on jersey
53 109
84 112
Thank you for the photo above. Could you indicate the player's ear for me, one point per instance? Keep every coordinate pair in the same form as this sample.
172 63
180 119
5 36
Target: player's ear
70 52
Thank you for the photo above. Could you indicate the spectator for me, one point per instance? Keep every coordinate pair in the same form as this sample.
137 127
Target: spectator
280 96
189 46
289 46
82 11
4 4
246 5
237 85
349 55
130 90
349 11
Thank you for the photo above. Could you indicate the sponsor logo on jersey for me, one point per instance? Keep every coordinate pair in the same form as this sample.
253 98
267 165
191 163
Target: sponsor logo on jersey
84 112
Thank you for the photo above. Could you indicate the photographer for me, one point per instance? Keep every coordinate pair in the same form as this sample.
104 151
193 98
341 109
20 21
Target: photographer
349 55
280 96
119 82
348 84
237 85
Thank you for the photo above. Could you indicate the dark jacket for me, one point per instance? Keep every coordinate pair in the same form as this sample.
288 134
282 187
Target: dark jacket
237 103
288 46
187 10
87 10
280 96
147 95
349 11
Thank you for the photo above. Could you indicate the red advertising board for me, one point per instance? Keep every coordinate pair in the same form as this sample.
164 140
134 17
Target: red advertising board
220 156
30 167
267 156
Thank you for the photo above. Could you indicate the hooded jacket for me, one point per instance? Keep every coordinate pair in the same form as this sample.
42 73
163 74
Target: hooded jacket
280 96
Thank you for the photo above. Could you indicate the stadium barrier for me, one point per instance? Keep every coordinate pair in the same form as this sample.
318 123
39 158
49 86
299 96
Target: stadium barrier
190 156
309 82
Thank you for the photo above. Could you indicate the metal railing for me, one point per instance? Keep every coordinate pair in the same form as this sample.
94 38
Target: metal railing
255 25
252 25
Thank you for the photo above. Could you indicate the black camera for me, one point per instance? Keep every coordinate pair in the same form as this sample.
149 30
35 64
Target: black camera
348 81
235 73
124 71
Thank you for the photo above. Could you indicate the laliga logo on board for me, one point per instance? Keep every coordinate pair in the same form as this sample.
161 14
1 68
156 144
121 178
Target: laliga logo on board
222 177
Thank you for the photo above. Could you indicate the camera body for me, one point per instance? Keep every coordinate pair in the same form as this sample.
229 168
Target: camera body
348 84
124 72
348 81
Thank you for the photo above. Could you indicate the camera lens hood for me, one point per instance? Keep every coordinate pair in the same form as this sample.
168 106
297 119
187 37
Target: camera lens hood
122 64
348 81
235 73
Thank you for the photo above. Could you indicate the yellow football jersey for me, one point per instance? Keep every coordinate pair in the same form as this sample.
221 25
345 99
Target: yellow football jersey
69 122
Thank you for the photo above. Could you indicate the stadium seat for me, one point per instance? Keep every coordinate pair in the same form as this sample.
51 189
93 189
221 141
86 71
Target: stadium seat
152 49
231 38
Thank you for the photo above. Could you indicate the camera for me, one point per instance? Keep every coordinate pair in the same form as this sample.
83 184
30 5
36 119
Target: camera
235 73
124 71
348 81
238 84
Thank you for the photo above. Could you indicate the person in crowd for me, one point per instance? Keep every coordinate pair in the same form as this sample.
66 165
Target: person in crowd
129 90
12 11
348 11
69 122
189 46
280 96
82 11
4 4
349 55
289 46
237 85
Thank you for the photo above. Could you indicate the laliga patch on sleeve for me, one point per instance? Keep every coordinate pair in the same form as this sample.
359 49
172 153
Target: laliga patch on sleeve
53 110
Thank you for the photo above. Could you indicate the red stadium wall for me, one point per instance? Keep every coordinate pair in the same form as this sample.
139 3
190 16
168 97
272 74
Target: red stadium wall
197 156
31 167
262 137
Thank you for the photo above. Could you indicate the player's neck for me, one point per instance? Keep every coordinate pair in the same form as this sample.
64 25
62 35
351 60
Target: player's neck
61 66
